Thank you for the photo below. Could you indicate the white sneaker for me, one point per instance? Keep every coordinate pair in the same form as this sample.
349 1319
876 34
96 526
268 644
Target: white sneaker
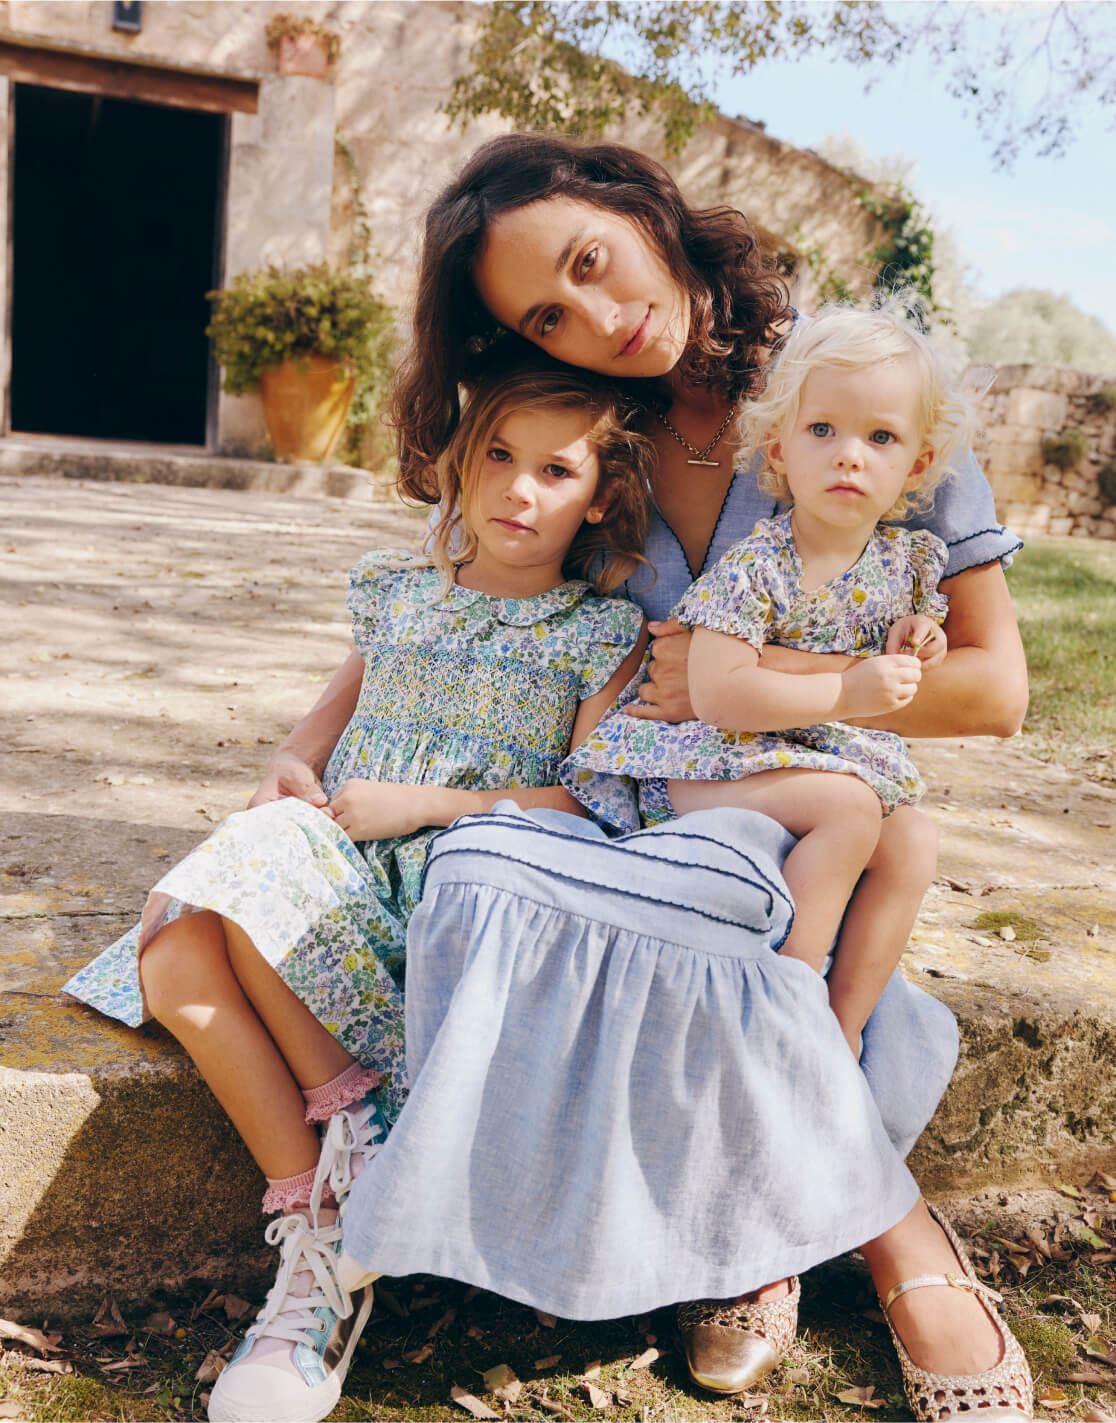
351 1139
294 1357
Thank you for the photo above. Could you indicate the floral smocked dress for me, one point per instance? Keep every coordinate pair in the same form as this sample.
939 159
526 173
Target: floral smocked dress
469 691
753 593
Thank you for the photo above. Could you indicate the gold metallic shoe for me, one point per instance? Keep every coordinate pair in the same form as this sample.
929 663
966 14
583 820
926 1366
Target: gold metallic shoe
1001 1392
732 1344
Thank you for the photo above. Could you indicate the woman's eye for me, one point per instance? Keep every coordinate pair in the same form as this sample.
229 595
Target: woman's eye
588 261
557 471
882 437
548 323
821 428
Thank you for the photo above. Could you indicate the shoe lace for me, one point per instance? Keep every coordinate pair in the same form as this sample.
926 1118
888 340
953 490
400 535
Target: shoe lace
302 1248
352 1138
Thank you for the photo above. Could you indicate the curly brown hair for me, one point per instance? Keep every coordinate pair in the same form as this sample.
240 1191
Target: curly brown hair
737 301
604 554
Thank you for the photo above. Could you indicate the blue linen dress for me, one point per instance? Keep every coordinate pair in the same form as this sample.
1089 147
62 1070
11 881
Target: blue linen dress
754 593
620 1095
466 690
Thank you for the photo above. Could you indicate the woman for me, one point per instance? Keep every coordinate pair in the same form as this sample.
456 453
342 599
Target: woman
592 254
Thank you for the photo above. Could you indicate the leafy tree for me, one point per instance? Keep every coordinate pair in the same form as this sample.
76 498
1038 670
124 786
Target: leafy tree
1023 71
1028 326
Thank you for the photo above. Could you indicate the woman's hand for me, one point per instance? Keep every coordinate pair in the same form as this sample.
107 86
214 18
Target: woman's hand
288 774
920 636
379 810
665 696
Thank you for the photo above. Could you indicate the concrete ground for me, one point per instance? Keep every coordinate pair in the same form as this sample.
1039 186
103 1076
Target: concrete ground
158 641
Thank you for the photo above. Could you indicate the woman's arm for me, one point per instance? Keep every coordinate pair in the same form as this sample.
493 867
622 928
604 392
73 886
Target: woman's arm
295 768
378 810
980 689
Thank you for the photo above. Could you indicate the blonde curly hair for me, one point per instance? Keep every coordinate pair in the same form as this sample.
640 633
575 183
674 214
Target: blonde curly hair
850 338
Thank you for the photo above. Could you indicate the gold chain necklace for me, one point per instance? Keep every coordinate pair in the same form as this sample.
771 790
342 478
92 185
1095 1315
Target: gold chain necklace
700 457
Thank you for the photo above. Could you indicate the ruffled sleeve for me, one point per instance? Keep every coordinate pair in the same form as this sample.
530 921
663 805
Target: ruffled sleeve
610 628
734 597
376 584
929 558
964 518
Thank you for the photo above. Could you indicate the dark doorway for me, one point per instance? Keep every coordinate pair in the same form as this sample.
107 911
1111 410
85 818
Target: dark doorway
114 227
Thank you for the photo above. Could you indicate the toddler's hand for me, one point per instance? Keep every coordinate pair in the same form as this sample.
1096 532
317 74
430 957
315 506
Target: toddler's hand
288 774
876 685
377 810
920 636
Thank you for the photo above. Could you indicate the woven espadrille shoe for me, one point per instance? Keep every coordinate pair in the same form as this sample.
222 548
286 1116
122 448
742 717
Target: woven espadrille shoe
732 1344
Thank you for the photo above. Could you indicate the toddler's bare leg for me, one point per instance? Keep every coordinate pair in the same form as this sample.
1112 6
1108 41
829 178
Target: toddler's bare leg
837 820
880 917
192 990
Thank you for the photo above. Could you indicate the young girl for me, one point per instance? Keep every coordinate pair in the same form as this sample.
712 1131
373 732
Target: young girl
271 952
857 426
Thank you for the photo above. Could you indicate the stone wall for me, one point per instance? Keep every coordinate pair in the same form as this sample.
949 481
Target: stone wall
289 193
1019 407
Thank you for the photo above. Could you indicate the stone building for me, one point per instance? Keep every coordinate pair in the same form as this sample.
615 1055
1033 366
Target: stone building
153 151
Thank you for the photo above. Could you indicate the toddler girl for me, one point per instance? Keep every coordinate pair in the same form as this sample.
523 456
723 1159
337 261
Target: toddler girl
857 426
273 951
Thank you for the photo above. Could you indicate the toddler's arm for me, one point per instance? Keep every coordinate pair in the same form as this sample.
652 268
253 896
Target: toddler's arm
380 810
295 769
731 690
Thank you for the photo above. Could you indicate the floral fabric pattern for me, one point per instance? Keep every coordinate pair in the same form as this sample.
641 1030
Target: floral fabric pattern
619 772
468 691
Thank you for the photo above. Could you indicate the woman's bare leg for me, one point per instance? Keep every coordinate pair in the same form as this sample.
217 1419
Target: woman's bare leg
837 819
192 990
880 917
945 1330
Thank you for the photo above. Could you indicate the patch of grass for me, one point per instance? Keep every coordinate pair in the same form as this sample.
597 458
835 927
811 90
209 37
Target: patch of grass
1064 591
996 919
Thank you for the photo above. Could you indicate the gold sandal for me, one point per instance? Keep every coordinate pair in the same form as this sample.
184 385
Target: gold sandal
1001 1392
731 1344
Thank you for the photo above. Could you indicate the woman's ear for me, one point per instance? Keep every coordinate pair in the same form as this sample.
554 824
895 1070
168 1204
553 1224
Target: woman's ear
595 513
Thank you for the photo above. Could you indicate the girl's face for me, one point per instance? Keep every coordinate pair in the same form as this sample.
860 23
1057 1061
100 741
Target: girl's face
588 286
536 486
855 444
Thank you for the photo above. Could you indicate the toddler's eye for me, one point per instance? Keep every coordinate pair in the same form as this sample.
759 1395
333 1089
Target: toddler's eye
821 428
882 437
557 471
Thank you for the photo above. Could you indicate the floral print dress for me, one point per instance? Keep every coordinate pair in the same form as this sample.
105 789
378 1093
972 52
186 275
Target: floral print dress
467 690
753 593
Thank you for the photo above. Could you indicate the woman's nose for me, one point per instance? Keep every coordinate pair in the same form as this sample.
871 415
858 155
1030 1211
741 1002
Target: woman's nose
600 313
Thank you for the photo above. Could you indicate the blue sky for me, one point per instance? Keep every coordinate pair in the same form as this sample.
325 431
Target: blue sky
1049 222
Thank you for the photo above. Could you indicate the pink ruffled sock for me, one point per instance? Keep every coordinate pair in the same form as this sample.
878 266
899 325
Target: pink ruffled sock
342 1091
292 1193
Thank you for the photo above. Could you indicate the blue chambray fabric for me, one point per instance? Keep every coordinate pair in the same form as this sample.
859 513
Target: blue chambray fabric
963 517
621 1096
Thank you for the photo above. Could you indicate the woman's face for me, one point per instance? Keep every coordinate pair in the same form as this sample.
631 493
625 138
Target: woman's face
588 286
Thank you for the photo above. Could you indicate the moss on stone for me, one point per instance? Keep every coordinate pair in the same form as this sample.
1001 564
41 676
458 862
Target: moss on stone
1026 929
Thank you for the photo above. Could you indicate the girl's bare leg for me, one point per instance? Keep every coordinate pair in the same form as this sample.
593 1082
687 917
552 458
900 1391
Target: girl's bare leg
193 990
837 819
945 1330
880 917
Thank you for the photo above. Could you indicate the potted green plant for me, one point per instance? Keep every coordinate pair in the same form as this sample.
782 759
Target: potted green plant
302 45
317 344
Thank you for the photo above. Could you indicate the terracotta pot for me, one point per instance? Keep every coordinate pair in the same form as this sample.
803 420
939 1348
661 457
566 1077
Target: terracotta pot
305 402
304 54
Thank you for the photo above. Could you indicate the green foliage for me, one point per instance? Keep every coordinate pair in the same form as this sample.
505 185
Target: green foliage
904 259
1065 450
360 247
1103 401
1106 482
580 65
1029 325
284 24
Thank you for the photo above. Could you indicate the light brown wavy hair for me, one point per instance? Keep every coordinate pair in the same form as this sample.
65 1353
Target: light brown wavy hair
737 301
604 554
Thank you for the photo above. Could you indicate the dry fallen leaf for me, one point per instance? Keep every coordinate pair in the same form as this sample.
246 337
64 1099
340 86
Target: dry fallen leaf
752 1400
121 1364
592 1371
510 1393
391 1363
160 1323
645 1359
1052 1398
1095 1414
1068 1191
470 1404
440 1323
49 1366
108 1320
236 1308
210 1367
419 1356
798 1376
45 1343
552 1406
1091 1322
548 1321
597 1397
499 1376
9 1408
548 1362
474 1331
861 1396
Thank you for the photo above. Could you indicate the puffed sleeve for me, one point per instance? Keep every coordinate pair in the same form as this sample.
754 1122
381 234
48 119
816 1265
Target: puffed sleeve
964 518
374 585
610 628
929 557
734 597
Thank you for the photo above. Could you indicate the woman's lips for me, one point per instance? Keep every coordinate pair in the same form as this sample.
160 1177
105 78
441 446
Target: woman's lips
635 342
